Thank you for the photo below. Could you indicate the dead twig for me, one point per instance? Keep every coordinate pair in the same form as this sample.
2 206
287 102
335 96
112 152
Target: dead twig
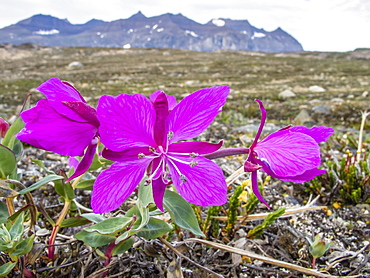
265 259
98 273
165 242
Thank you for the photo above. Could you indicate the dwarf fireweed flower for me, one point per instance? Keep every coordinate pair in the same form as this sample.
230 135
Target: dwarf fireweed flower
142 136
62 123
291 154
4 126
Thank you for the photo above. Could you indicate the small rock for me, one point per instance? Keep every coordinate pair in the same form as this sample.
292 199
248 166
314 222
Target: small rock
315 101
42 232
365 94
321 109
337 99
286 94
74 64
302 117
316 89
191 82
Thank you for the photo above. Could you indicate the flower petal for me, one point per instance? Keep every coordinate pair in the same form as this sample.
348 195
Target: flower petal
85 163
195 112
126 121
84 110
126 155
159 187
205 183
115 184
57 91
255 188
306 176
160 105
195 147
172 102
48 130
318 133
289 153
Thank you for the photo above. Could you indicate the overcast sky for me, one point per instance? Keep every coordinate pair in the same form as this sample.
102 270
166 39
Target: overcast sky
319 25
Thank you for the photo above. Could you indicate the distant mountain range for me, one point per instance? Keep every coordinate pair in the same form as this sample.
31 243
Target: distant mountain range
138 31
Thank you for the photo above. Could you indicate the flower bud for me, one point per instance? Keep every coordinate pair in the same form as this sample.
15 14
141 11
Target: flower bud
4 126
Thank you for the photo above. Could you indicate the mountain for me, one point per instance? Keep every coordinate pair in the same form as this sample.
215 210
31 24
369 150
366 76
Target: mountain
138 31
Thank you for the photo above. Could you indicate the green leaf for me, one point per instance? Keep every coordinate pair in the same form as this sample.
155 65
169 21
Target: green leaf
110 225
86 184
93 217
96 163
69 191
18 150
6 268
9 139
40 183
24 246
4 214
41 164
8 162
145 194
154 229
142 217
123 246
94 239
59 188
74 222
17 228
181 212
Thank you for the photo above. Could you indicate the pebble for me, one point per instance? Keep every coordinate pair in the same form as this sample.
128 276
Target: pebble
286 94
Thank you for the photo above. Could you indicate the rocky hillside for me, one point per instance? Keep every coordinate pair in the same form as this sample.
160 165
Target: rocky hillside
139 31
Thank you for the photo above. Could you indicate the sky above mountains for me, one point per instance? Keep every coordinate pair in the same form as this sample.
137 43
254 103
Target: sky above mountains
319 25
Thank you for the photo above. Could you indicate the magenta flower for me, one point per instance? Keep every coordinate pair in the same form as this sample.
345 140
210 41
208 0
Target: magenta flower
141 135
4 126
62 123
291 154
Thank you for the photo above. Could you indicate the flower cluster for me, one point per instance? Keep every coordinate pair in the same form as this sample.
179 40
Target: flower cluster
145 137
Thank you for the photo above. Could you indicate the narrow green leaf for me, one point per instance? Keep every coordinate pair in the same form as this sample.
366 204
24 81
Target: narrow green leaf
154 229
8 163
86 184
93 217
74 222
24 246
6 268
17 228
94 239
110 225
4 214
41 164
181 212
40 183
123 246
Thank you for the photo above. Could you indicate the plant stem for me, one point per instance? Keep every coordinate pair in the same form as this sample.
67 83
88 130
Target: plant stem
62 216
56 228
313 266
10 205
108 254
359 148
